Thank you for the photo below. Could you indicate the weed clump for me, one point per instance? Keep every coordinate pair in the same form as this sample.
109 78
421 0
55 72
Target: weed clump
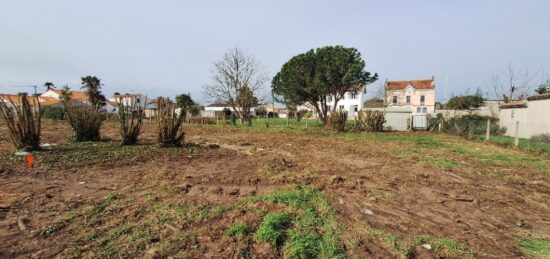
372 121
237 230
273 227
23 120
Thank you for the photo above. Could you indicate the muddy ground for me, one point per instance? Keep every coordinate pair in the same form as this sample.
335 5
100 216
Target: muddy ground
399 185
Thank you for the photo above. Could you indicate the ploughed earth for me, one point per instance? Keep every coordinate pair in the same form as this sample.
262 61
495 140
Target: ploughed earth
264 193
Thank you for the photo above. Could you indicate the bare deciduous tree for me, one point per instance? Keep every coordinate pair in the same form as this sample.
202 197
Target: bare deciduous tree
236 72
514 83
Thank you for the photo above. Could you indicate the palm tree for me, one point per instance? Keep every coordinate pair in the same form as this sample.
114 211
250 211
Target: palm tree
49 86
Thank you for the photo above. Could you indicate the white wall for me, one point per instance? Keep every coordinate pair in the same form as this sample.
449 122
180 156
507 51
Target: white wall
533 120
349 104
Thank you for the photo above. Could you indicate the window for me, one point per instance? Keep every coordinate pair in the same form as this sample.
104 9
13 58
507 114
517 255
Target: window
353 95
425 110
418 110
328 107
329 98
341 107
422 99
408 99
356 108
394 99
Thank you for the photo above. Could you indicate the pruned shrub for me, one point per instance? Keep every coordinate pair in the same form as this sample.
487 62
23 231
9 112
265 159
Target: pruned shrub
372 121
336 120
170 124
541 138
85 120
130 117
23 120
53 113
470 126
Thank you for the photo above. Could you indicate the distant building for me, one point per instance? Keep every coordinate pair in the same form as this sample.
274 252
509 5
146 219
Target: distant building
74 95
530 115
419 95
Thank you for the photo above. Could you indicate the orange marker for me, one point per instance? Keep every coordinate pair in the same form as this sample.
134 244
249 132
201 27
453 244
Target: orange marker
30 159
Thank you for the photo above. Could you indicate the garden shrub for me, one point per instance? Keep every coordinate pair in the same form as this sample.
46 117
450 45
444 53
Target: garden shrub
372 121
54 113
170 124
85 120
336 120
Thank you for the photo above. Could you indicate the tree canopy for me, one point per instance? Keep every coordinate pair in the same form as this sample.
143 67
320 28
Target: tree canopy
313 76
543 88
92 85
466 102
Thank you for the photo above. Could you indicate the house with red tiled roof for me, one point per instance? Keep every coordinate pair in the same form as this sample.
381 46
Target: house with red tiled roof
75 95
419 95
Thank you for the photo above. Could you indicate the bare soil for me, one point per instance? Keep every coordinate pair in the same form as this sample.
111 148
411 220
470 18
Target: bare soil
407 184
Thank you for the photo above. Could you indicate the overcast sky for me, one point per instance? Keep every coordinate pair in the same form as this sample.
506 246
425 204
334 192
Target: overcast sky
168 47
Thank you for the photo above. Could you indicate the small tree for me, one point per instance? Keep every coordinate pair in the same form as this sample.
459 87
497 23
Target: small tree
85 120
237 77
92 85
131 120
336 120
23 120
185 103
170 124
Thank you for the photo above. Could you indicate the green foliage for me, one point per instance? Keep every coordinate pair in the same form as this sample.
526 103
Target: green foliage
184 101
85 121
374 103
468 126
337 120
92 85
302 245
315 75
49 85
54 113
466 102
237 230
273 228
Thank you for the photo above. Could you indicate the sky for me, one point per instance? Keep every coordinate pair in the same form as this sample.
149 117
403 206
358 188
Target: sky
164 48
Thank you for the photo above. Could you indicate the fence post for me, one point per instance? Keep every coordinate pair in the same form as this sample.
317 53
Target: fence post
439 127
488 133
306 121
516 140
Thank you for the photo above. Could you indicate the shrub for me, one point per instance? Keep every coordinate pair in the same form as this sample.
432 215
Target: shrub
467 125
23 121
170 124
336 120
541 138
131 122
54 113
85 120
372 121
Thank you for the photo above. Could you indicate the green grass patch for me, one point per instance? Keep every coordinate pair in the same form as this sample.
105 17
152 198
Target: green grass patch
273 228
536 247
237 230
302 245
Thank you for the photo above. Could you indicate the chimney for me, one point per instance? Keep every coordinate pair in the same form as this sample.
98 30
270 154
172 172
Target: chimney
433 78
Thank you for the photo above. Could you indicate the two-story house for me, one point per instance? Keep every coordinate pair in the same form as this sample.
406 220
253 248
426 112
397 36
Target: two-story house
419 95
352 102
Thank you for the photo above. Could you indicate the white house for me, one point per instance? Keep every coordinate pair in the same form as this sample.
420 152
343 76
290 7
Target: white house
74 95
419 95
214 109
352 102
531 116
128 99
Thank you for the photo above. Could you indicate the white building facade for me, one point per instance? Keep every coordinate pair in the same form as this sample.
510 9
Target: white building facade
419 95
352 102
